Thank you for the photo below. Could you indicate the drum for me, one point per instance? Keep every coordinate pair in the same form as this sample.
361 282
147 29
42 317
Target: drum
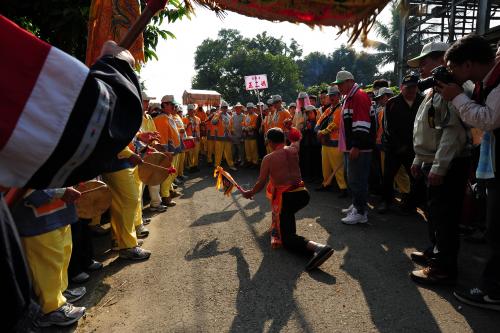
189 143
153 172
95 199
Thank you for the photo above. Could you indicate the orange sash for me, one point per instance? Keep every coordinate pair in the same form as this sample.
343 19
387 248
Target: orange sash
275 195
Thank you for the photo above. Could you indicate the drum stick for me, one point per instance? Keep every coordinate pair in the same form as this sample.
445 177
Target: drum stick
156 166
93 189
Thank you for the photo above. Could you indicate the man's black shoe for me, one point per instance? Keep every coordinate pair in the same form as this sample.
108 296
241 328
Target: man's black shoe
476 297
432 275
343 194
421 258
319 258
321 189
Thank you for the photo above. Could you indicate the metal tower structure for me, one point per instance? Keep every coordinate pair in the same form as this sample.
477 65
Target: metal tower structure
444 20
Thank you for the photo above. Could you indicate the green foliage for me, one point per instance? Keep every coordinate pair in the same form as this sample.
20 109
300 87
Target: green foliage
63 23
222 63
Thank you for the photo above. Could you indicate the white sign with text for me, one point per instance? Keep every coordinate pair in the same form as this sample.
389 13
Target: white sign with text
253 82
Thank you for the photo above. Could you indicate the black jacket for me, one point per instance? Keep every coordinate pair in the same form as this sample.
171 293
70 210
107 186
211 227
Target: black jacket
398 122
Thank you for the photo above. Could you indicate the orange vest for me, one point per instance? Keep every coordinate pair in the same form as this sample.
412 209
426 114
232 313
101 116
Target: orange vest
380 127
279 118
222 124
167 127
249 125
192 125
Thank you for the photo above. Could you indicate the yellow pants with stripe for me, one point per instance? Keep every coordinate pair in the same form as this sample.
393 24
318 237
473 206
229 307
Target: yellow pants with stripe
181 162
203 145
126 210
193 155
166 186
251 151
223 148
331 159
140 188
402 180
48 258
210 150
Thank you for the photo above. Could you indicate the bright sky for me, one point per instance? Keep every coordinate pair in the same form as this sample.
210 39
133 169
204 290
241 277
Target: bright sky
173 72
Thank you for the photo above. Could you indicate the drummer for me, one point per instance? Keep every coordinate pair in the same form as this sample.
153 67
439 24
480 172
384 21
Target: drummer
200 113
250 133
170 138
148 127
192 125
43 220
182 155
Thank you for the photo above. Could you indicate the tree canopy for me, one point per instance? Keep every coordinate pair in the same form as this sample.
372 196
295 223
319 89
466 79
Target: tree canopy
222 63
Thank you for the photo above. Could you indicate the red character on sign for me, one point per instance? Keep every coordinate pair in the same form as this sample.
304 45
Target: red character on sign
263 84
250 85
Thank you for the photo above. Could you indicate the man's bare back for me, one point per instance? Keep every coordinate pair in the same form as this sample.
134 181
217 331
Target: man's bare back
282 166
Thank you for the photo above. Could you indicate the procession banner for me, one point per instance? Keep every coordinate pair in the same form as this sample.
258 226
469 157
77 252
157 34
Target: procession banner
111 20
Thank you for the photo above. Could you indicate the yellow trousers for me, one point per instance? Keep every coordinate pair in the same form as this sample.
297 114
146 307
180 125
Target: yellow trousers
48 259
402 180
166 186
126 210
251 151
193 155
140 188
203 145
210 150
181 162
223 147
331 159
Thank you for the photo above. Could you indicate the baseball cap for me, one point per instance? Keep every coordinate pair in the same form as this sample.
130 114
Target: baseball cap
238 105
276 99
343 76
310 108
250 105
333 90
383 91
191 107
292 105
145 96
428 49
410 79
269 101
302 94
169 99
224 104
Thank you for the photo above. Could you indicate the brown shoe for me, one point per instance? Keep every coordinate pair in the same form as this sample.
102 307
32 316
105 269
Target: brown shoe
167 201
174 194
432 275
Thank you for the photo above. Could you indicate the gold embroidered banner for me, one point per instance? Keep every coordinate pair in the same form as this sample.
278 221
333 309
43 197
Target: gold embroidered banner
111 19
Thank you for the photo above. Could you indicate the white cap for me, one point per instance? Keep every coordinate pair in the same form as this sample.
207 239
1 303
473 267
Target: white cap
343 76
269 101
302 94
145 96
250 105
333 90
224 104
310 108
237 105
191 107
276 99
292 105
428 49
384 90
168 98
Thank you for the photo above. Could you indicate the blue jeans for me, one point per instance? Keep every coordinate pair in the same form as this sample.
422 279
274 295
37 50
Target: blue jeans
358 172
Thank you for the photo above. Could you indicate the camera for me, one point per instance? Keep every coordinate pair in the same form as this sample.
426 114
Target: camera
439 73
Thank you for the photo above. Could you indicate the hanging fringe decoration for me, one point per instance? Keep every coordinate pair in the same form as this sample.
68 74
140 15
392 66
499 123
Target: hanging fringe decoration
353 16
225 181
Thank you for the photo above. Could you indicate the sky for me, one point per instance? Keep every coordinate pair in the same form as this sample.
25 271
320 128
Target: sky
173 72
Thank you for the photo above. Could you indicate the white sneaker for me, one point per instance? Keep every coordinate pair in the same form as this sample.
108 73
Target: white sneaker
348 209
354 218
233 168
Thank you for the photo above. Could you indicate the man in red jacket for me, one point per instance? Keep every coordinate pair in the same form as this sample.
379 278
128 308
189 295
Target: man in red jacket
356 141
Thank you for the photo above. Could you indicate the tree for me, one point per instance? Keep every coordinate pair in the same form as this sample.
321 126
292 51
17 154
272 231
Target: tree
221 65
63 23
387 48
